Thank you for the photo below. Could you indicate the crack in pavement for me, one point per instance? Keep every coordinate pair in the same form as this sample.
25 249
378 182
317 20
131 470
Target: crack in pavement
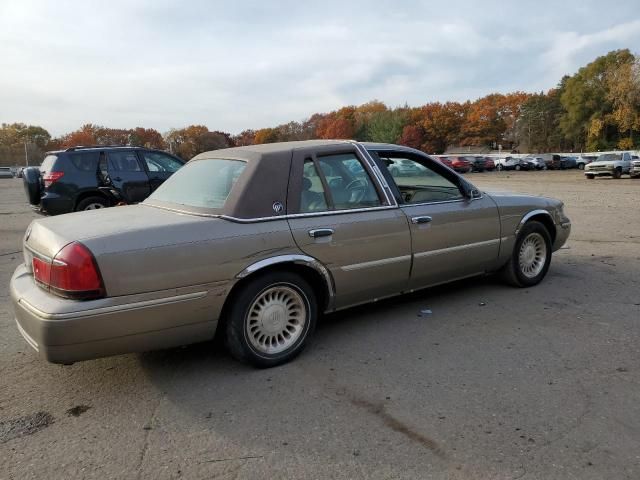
145 446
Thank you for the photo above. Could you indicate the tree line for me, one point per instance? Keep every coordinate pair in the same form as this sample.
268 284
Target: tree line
597 108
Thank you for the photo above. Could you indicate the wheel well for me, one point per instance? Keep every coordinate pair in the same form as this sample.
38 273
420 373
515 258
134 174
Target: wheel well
316 281
92 193
547 221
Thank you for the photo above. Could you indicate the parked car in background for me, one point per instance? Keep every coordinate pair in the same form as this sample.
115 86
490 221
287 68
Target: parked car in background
634 172
489 164
610 165
535 163
461 164
6 172
19 172
568 162
81 178
508 163
217 247
402 167
584 160
477 164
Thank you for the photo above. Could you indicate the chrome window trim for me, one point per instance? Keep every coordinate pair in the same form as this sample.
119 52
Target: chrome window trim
375 263
466 246
377 173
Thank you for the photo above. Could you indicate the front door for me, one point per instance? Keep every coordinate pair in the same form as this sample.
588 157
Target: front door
452 236
159 166
127 175
339 215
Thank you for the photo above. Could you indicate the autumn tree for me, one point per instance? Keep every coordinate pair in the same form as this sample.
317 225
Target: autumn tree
623 84
586 120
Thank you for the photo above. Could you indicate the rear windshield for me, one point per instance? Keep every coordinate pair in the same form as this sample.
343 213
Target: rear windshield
47 163
202 184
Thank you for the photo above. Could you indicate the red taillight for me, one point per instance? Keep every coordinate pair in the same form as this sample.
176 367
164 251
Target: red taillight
51 178
73 273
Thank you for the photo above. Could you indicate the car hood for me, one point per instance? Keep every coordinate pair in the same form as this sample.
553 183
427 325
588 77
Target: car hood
603 163
506 198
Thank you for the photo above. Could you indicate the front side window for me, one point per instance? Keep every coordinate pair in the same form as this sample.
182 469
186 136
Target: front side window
159 162
336 182
201 184
418 183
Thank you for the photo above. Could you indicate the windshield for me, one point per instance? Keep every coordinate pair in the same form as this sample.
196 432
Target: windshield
202 184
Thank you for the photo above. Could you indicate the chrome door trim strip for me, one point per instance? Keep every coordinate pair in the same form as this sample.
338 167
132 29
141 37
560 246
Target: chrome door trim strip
111 309
375 263
466 246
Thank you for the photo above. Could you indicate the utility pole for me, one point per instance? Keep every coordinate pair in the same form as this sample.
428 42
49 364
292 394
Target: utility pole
26 153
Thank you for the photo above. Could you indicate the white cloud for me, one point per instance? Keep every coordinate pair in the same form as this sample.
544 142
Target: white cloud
252 64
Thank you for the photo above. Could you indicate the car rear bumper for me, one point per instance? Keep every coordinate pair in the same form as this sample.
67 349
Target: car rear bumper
66 331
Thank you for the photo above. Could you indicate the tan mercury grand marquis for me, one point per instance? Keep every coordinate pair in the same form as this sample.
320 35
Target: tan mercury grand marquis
257 241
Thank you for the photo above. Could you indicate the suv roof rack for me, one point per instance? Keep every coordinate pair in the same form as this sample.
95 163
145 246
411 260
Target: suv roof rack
86 147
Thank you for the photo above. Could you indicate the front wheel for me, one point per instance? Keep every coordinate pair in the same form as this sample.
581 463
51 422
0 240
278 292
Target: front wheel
581 166
271 319
531 256
617 173
92 203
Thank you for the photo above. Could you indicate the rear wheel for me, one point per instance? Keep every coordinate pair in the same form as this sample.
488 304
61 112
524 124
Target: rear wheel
590 177
271 319
92 203
581 166
531 256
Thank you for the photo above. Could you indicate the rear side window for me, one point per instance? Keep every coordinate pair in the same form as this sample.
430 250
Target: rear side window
124 162
47 163
85 161
202 184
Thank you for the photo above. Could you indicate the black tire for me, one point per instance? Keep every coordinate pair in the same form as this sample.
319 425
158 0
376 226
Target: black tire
91 203
591 177
517 167
237 336
499 167
617 173
581 166
31 182
512 272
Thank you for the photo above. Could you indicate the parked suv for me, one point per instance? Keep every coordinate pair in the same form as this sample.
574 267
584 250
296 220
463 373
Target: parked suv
87 178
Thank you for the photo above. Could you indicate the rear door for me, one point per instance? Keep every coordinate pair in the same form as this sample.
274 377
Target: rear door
159 166
127 175
340 214
452 236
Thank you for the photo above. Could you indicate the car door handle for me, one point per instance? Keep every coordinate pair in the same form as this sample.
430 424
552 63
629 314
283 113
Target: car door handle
417 220
320 232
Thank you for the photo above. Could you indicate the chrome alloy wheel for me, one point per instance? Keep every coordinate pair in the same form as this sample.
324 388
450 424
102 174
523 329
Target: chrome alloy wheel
532 255
94 206
276 319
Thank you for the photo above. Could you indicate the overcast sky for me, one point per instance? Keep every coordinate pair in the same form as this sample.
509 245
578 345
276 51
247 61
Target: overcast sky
252 64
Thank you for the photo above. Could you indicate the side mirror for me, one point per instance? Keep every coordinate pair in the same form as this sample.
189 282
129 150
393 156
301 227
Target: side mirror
469 191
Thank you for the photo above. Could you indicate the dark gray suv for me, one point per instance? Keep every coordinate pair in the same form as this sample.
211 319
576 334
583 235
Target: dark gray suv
87 178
